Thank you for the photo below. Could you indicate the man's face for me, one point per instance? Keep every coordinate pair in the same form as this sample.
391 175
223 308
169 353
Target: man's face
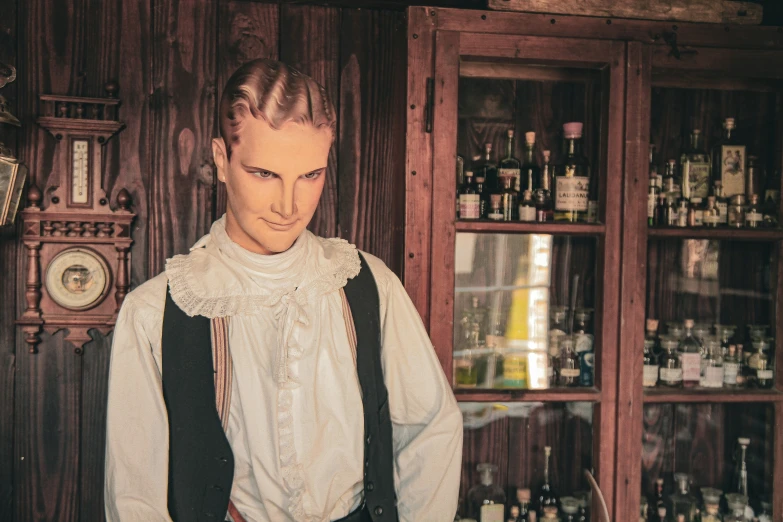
274 182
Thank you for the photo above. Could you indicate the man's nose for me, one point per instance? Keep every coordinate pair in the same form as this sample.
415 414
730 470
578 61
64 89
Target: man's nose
286 206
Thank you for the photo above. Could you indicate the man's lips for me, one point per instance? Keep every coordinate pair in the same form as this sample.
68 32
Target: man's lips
279 226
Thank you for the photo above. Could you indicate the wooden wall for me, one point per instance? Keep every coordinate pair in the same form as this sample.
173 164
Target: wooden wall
171 59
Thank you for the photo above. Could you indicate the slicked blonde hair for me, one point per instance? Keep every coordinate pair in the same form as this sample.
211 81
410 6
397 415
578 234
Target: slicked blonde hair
278 94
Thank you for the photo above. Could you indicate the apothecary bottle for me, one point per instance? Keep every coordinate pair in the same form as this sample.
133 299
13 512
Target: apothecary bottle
690 356
547 497
753 216
731 368
487 168
570 508
712 364
530 172
486 500
760 367
729 161
736 211
650 377
695 165
572 178
509 166
711 213
469 198
670 373
543 195
682 502
737 504
569 363
509 199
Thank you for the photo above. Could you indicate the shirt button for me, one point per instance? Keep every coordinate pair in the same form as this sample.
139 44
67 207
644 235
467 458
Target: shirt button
370 486
379 511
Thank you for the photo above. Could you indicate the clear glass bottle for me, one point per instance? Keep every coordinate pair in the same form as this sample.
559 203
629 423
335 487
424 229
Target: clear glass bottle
572 178
487 167
523 501
515 369
544 205
651 334
721 202
695 164
670 374
670 184
731 368
683 206
650 377
765 515
508 199
763 367
753 176
495 212
509 166
466 361
658 500
729 160
711 213
652 201
486 500
530 176
484 195
753 216
711 498
527 209
670 212
712 364
550 515
570 509
662 514
741 470
736 211
584 345
675 329
690 350
469 198
725 332
547 497
569 363
558 327
737 504
682 502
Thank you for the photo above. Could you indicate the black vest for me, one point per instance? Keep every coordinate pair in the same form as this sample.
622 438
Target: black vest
201 463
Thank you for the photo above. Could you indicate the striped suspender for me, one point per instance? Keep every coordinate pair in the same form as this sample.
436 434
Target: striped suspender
224 372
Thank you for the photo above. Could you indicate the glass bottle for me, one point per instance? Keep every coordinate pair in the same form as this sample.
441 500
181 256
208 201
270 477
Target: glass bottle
695 164
690 357
572 178
547 497
683 207
763 366
643 508
486 500
731 368
527 209
530 171
670 179
513 514
469 199
712 364
466 361
483 193
569 363
652 200
583 498
675 329
721 202
737 504
557 329
570 508
583 336
766 512
508 199
662 211
711 498
736 211
753 176
682 502
670 374
460 178
742 358
544 206
650 377
753 216
509 167
741 471
711 213
523 500
495 208
729 161
725 332
662 514
487 168
550 515
658 500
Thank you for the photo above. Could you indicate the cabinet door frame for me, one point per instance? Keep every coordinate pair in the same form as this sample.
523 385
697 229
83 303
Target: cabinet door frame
450 46
696 66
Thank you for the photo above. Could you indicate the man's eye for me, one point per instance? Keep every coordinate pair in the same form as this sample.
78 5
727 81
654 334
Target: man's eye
263 174
313 175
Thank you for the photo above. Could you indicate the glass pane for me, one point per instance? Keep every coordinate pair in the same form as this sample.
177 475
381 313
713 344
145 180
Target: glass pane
697 446
514 437
523 311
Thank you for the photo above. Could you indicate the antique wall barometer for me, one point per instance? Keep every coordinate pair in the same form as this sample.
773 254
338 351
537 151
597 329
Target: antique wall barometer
77 245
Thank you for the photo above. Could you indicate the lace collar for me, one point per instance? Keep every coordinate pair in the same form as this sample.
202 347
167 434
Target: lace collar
218 278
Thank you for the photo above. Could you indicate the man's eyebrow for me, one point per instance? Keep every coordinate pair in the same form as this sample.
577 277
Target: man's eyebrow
250 168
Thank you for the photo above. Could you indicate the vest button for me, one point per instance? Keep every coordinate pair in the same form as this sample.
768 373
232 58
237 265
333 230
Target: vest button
209 514
369 438
378 511
367 463
222 461
370 486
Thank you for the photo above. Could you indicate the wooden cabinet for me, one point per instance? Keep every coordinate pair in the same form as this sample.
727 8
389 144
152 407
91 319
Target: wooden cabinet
472 76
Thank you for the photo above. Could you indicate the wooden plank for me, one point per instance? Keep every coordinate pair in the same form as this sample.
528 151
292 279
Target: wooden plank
551 395
247 31
777 454
707 35
443 189
371 197
508 227
706 80
182 112
307 42
663 395
755 235
469 69
632 289
564 52
704 11
418 165
47 431
763 64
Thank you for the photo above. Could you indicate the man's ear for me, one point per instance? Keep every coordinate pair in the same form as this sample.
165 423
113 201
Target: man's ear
220 157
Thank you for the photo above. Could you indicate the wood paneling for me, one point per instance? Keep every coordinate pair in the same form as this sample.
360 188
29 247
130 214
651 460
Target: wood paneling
182 112
371 158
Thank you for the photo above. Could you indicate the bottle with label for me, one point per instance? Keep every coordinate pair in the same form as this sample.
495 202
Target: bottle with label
547 497
731 368
711 498
487 167
729 161
543 195
495 208
670 374
753 216
486 500
652 200
711 213
466 363
657 500
557 330
508 199
527 209
695 164
569 363
572 178
670 182
469 199
515 371
683 206
650 377
668 212
736 211
584 345
721 202
523 503
460 177
682 502
737 504
712 364
483 193
690 356
725 333
510 166
759 364
530 171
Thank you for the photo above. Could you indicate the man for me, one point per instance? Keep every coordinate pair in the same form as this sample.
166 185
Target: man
290 377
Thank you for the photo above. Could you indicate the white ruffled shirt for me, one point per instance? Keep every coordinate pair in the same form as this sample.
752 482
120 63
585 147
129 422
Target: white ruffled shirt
296 423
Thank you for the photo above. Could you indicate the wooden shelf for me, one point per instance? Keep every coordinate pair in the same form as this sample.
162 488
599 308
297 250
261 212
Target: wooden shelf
517 227
734 234
659 395
551 395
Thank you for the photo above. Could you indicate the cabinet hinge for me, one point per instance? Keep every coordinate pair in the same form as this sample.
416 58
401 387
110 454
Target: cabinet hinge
429 107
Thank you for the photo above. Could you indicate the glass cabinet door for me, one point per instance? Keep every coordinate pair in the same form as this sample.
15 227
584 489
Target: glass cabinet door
702 359
527 135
